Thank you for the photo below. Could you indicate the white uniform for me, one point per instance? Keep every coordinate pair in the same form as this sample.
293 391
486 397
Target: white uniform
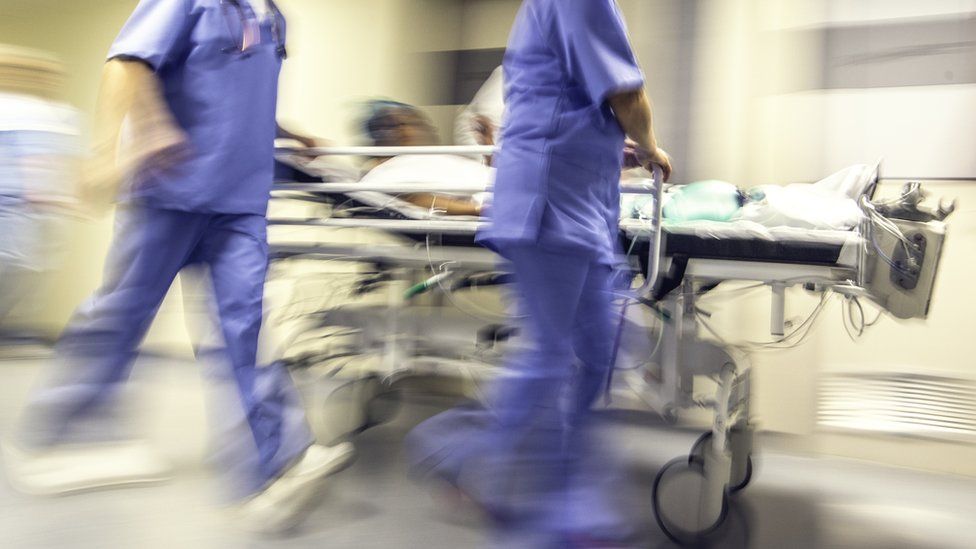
488 102
38 139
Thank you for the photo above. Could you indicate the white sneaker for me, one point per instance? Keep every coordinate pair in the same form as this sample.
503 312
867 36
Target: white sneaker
286 501
78 468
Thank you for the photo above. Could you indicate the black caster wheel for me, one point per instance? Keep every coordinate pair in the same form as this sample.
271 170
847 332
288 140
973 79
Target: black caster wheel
678 489
383 406
737 487
697 455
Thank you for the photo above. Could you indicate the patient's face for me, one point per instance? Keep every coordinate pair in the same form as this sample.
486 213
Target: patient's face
406 128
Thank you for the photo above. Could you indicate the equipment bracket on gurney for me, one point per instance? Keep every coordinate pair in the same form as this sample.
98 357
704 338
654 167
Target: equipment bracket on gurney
891 261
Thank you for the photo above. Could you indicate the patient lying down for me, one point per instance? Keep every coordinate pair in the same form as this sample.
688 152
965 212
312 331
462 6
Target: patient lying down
392 124
827 204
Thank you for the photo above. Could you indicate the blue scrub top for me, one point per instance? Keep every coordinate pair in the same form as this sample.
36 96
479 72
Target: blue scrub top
559 166
223 99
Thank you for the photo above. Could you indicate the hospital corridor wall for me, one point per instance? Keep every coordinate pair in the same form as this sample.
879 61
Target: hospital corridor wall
341 54
765 103
740 95
818 85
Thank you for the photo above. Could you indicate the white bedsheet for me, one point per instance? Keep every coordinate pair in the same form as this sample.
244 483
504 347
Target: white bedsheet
830 203
418 172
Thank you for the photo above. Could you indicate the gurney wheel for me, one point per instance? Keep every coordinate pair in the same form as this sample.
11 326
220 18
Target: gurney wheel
383 406
697 455
698 448
678 489
746 478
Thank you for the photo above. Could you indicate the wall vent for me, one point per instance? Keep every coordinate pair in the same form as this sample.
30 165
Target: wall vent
904 404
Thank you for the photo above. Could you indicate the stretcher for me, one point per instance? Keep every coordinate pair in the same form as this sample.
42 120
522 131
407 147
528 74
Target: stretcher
890 261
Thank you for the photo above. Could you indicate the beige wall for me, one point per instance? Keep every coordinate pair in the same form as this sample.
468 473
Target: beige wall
743 129
749 129
746 130
345 52
485 23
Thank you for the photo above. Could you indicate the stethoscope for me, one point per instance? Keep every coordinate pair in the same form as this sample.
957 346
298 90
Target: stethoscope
276 30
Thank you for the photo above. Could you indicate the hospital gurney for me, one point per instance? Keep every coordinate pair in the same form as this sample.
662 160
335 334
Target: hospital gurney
890 261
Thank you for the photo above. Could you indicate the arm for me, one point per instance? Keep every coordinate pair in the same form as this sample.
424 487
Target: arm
129 90
116 95
157 33
633 112
592 39
305 140
635 115
446 204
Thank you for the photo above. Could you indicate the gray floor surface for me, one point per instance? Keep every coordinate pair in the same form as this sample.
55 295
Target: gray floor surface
795 502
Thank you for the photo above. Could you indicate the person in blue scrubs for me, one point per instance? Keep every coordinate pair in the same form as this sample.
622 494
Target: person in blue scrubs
574 92
197 82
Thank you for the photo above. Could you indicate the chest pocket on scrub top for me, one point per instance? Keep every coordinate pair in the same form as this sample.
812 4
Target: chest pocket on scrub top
244 33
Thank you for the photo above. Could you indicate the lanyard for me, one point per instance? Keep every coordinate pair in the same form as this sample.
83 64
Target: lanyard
251 28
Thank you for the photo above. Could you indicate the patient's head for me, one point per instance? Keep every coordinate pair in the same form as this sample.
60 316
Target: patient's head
392 124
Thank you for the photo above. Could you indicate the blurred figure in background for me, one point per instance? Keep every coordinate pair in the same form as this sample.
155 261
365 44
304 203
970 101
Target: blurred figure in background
479 123
573 92
195 83
38 154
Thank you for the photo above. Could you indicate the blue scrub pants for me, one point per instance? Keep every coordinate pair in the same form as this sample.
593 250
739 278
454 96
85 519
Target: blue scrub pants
96 352
522 457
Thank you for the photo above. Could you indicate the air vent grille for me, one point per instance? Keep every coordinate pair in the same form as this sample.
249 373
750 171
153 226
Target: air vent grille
903 404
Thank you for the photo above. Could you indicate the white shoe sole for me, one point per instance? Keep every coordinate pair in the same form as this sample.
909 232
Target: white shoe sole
287 501
73 470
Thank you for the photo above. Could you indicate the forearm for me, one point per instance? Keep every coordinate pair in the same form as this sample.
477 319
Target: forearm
441 203
283 133
131 94
128 88
635 116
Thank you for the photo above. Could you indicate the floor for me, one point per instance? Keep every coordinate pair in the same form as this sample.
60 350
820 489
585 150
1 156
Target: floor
794 502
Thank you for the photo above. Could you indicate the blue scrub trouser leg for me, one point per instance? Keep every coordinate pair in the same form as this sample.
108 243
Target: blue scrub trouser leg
592 477
96 351
530 451
236 250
